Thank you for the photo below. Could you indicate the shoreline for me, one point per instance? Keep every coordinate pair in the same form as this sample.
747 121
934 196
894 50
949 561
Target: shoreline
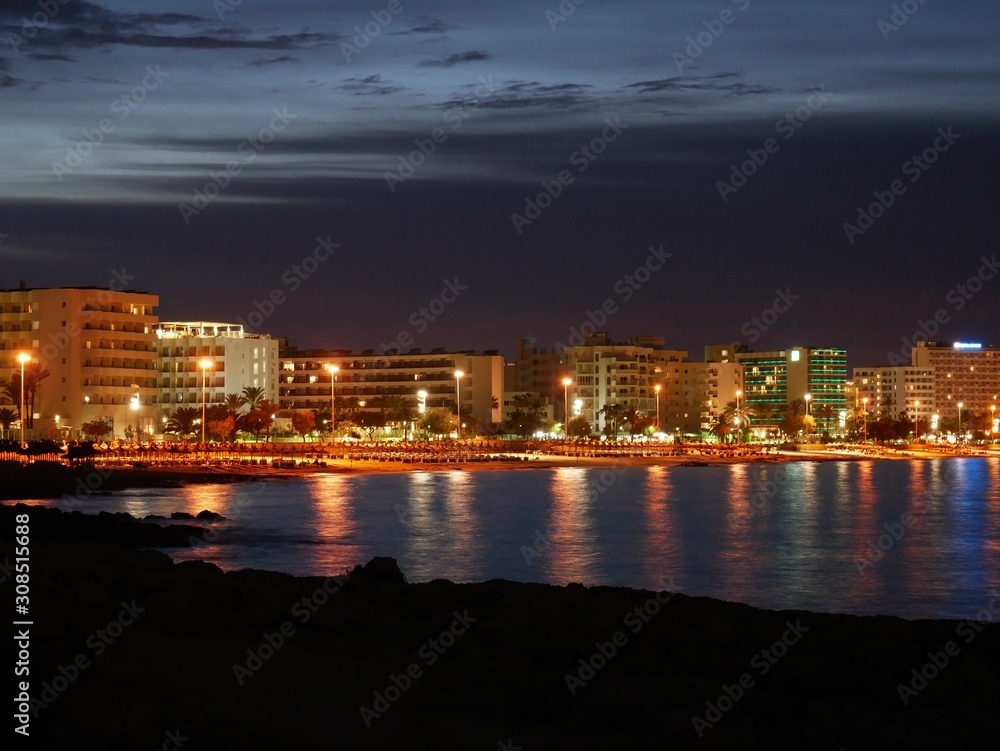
262 660
45 481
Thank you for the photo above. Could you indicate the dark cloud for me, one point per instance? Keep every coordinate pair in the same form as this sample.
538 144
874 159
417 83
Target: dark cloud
82 25
272 61
718 82
52 58
372 85
426 25
456 59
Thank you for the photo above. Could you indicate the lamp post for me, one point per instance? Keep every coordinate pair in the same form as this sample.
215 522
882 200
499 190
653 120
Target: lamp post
134 404
22 358
566 383
916 422
333 400
865 402
959 437
458 402
993 422
657 388
204 365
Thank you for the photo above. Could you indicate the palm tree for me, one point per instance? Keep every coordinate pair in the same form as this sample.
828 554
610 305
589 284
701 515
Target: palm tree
252 396
265 410
397 408
233 405
613 413
720 425
182 422
7 418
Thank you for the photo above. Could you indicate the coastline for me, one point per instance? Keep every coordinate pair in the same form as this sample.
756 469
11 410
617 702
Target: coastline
33 481
128 646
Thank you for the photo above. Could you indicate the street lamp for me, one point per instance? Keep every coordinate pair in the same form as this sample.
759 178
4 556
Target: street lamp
865 402
808 398
657 388
422 395
22 358
566 383
458 401
204 365
333 400
993 421
916 422
134 404
959 437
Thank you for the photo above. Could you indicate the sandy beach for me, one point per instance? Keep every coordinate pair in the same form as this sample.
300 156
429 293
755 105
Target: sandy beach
51 480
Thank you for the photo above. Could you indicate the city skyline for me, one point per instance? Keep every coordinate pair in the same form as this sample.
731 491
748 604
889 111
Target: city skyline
542 164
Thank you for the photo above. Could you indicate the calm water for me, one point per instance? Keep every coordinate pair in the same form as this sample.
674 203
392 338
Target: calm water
777 536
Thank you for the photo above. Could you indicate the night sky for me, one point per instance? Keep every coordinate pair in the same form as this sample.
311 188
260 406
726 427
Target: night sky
642 108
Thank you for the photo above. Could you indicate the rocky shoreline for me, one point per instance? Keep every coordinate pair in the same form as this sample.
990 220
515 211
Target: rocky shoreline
132 651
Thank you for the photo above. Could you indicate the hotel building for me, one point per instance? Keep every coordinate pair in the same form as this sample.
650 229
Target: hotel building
965 372
304 379
895 391
603 372
815 376
237 360
97 346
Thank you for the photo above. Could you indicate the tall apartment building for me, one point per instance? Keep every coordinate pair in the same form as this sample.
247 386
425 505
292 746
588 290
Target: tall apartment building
895 391
97 346
774 379
966 372
539 371
238 360
604 372
304 380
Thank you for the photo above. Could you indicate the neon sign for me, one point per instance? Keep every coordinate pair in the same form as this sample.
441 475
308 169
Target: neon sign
968 345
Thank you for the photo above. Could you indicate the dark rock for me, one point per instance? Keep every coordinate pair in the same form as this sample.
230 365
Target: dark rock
207 515
379 569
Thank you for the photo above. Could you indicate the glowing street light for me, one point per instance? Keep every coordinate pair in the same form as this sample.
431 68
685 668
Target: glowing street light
657 389
865 402
566 384
134 404
422 407
960 405
333 400
916 422
458 401
22 358
808 398
205 365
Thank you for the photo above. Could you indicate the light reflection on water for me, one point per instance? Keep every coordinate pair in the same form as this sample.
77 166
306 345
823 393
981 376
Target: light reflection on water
800 538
